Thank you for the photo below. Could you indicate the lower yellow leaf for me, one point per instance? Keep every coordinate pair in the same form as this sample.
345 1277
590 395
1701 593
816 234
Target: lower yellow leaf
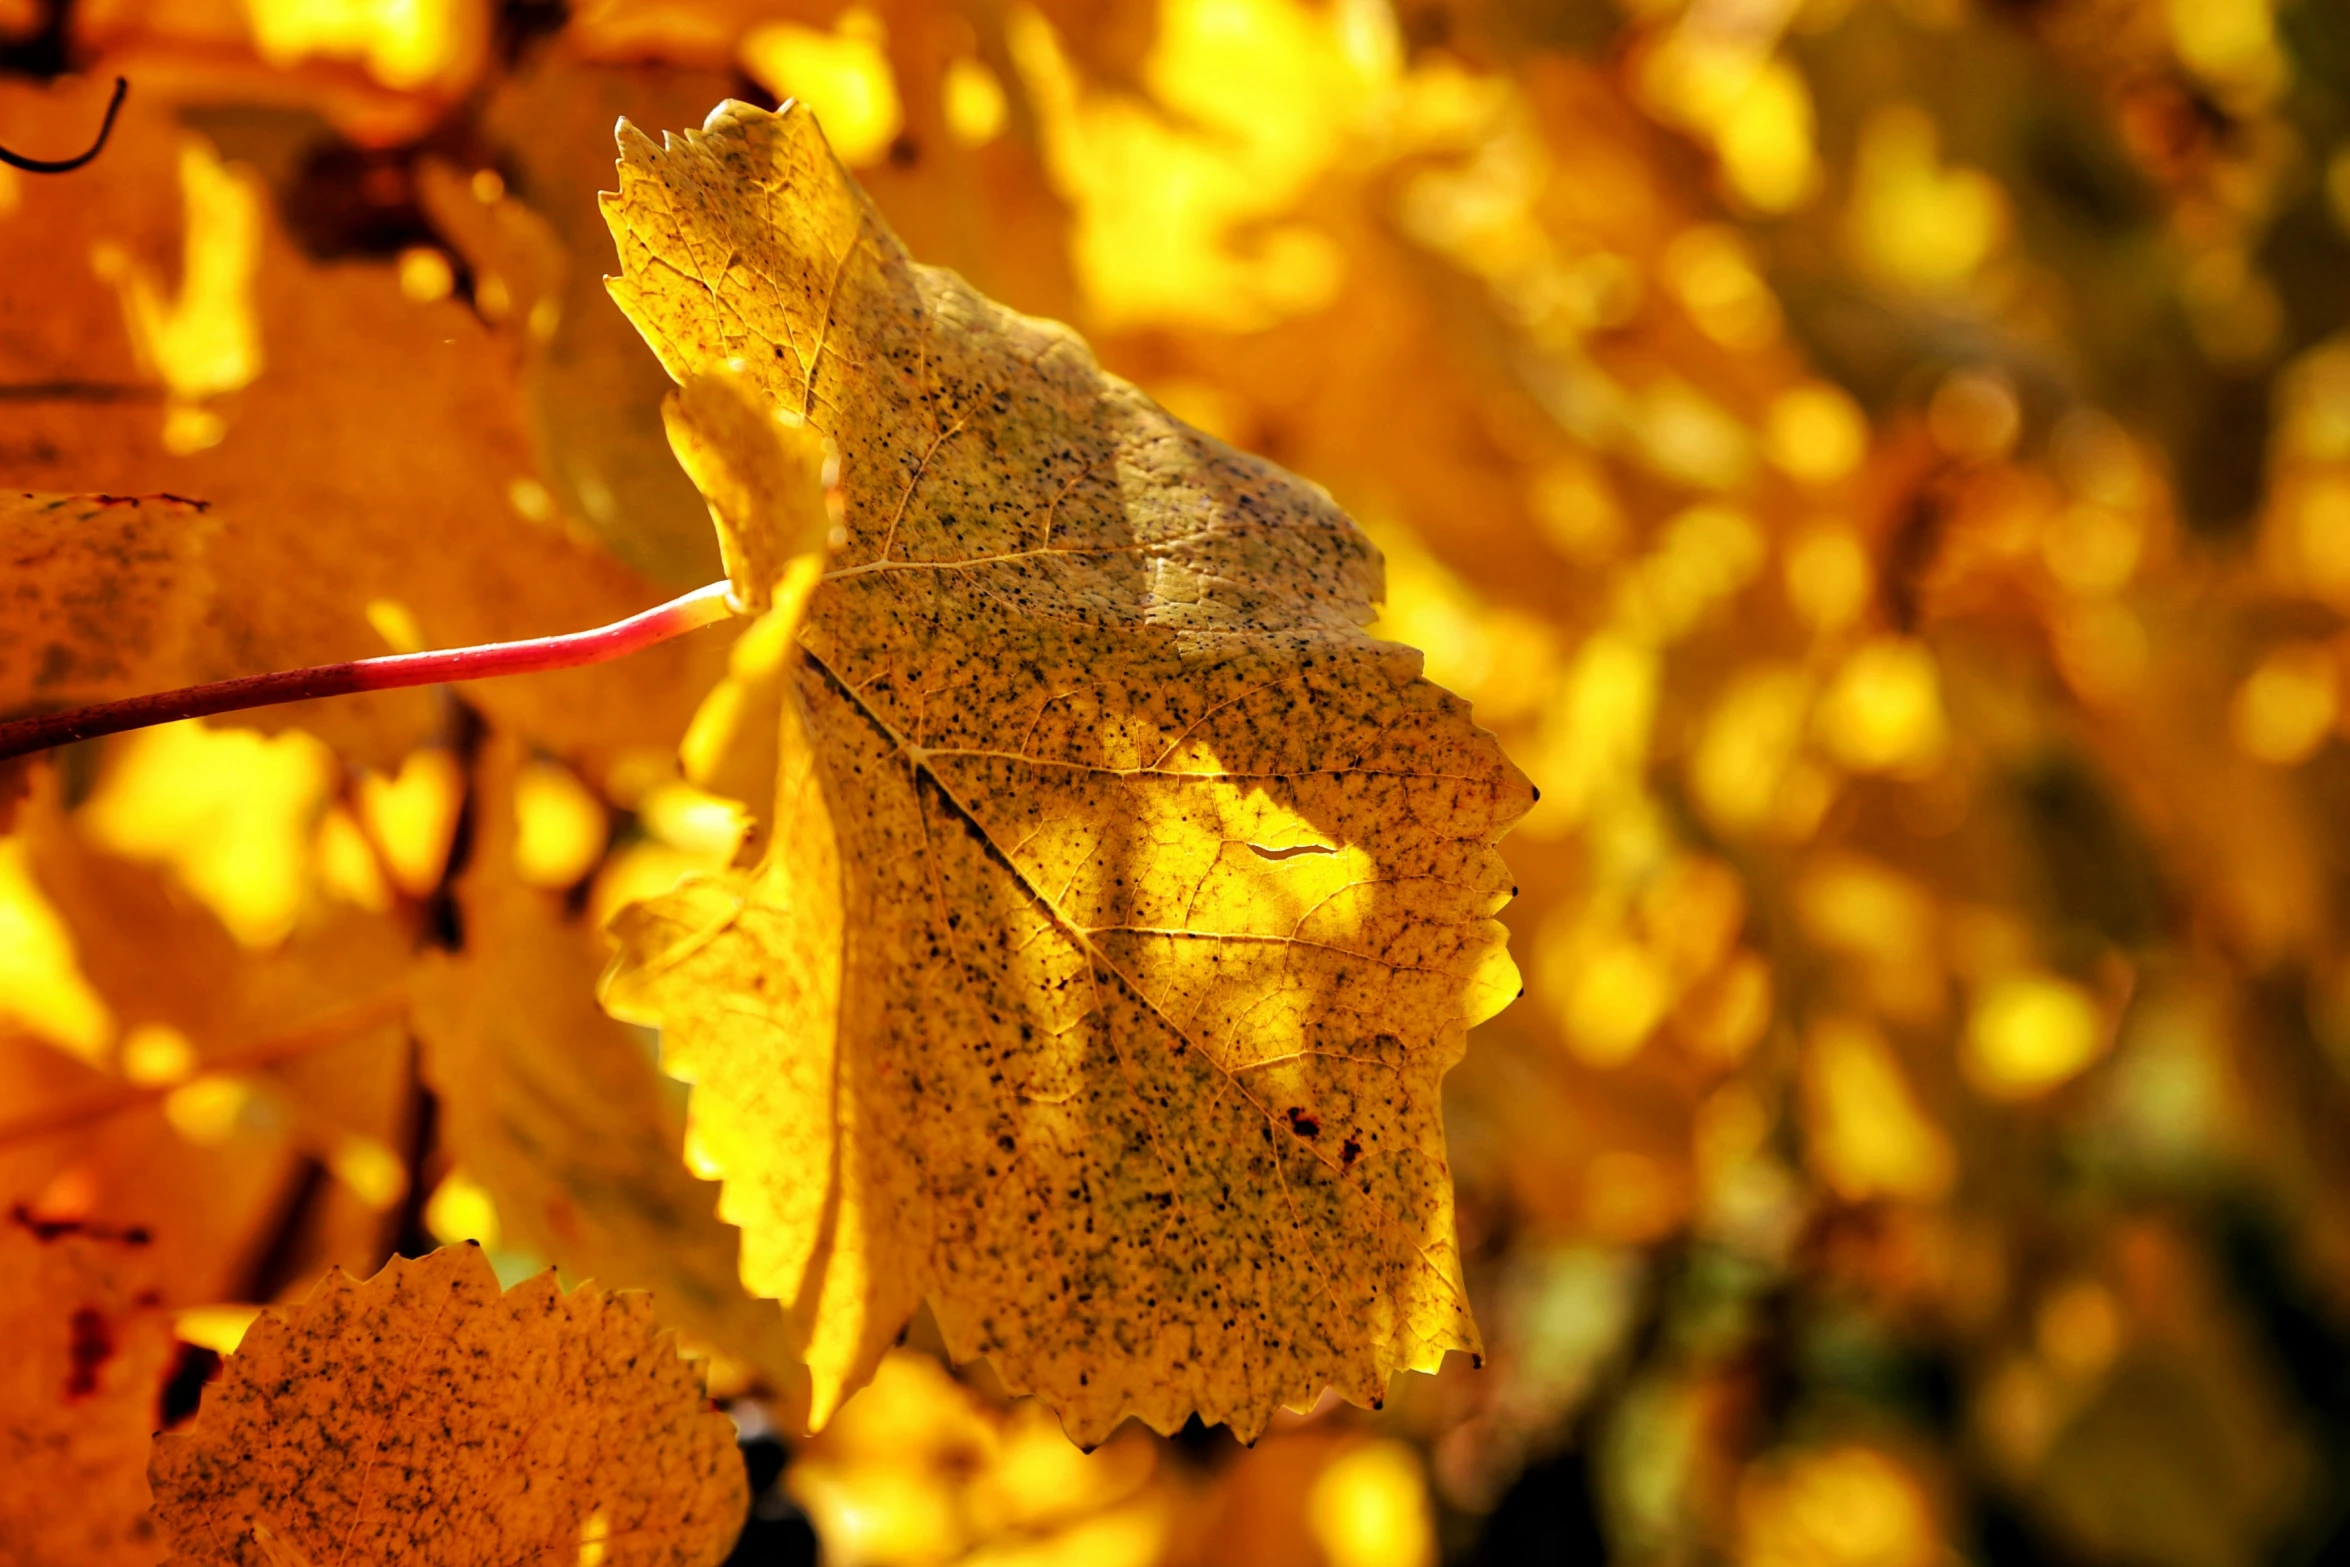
422 1417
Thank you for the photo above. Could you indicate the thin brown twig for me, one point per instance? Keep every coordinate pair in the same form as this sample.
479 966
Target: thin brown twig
17 160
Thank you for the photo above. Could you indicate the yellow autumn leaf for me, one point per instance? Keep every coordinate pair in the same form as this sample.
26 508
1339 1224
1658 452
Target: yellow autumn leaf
1124 902
87 1345
423 1417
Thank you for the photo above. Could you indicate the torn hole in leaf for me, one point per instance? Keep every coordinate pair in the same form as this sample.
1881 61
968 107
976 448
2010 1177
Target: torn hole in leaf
1266 852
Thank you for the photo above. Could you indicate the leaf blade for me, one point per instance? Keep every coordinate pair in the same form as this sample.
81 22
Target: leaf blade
1077 683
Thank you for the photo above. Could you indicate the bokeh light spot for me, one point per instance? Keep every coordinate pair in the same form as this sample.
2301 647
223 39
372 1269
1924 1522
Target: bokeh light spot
2286 708
411 817
560 825
42 988
843 75
231 811
1369 1508
2029 1033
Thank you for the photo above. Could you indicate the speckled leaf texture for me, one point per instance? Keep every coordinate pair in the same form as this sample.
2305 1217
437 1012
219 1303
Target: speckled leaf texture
1126 903
424 1419
98 595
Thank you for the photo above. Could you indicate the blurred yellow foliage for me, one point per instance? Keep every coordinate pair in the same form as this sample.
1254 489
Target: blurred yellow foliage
976 107
1714 271
229 810
460 1210
403 43
1869 1137
156 1055
920 1470
41 988
1817 433
2231 43
217 1328
1836 1507
2027 1033
1755 109
844 75
2288 705
1883 710
411 817
560 825
210 1109
205 340
1916 222
372 1171
1250 101
1369 1508
347 865
1597 728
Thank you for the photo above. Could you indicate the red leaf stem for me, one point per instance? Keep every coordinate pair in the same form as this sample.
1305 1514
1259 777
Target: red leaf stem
702 607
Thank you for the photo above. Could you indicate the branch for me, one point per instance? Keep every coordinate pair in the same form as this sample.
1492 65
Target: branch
17 160
703 607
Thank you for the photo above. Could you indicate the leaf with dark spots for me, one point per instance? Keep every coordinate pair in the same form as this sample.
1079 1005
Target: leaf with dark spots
1097 814
508 1421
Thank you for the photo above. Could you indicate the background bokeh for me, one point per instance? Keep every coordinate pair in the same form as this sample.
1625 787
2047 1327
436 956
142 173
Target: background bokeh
1881 466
